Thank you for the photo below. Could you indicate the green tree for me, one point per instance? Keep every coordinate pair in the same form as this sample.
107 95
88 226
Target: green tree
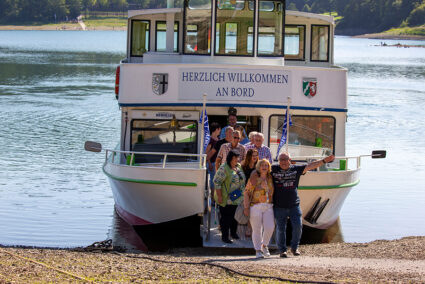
417 16
74 8
88 4
292 6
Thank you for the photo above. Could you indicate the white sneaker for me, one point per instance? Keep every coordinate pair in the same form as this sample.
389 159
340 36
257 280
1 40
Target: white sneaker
265 251
259 254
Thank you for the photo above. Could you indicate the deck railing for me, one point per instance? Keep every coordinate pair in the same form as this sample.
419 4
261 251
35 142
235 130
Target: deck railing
202 158
343 161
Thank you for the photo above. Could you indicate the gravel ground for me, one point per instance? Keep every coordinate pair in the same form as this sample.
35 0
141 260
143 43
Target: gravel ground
401 261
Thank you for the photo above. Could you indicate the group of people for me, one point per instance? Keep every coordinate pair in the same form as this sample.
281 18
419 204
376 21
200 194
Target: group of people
244 174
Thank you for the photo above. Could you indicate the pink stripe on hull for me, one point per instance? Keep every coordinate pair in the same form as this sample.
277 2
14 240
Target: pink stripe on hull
130 218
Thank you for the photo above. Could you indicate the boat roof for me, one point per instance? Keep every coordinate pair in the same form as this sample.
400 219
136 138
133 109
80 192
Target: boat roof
134 13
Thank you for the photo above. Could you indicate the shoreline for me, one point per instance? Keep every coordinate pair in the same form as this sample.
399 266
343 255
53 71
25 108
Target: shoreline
400 260
390 36
78 27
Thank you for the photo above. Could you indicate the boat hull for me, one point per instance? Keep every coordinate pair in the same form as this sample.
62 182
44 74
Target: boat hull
152 195
322 195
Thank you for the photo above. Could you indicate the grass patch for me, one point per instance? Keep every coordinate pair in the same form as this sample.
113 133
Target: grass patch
413 31
105 21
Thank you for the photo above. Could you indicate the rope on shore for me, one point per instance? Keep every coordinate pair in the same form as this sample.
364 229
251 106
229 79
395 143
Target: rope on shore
47 266
227 269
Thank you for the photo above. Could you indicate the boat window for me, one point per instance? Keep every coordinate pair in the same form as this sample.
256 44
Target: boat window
263 5
171 136
161 36
294 42
249 123
197 28
309 135
270 28
319 43
139 37
232 24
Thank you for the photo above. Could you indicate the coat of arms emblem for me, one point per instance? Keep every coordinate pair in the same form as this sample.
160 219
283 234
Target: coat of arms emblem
309 87
159 83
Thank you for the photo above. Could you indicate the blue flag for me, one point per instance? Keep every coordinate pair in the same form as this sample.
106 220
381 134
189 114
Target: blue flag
284 131
207 136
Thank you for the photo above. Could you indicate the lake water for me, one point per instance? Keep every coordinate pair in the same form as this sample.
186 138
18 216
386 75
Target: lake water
56 91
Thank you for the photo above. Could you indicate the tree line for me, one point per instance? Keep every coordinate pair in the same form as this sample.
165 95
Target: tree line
357 16
366 16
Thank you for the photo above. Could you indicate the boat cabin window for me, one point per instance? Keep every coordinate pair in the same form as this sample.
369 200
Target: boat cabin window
234 27
234 21
175 136
161 36
139 37
319 43
197 28
270 28
308 135
294 42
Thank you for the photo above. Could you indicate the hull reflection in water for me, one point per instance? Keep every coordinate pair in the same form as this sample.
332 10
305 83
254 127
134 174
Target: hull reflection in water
311 235
156 237
124 236
186 233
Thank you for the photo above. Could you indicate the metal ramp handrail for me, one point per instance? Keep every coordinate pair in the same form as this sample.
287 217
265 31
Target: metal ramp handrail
202 157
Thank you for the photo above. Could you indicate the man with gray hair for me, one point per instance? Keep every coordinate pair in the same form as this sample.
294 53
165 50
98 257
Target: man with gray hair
286 202
263 150
251 137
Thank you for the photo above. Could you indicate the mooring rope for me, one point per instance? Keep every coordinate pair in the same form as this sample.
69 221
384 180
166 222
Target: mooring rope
47 266
106 246
227 269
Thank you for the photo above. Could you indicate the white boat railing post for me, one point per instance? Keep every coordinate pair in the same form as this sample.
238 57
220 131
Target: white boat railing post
201 150
165 161
131 160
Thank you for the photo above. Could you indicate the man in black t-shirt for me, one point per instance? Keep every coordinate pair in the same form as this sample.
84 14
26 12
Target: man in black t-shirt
286 202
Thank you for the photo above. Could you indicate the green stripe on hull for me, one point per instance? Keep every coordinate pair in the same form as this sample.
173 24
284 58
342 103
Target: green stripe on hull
159 182
317 187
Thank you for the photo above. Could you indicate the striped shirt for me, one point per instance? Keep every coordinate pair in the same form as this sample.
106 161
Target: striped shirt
226 148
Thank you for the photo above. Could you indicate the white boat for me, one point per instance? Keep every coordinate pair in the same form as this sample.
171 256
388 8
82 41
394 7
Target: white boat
260 55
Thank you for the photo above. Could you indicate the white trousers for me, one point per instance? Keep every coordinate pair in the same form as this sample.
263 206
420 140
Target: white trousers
262 223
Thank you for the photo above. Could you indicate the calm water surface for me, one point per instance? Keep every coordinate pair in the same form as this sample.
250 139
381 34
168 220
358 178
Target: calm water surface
56 91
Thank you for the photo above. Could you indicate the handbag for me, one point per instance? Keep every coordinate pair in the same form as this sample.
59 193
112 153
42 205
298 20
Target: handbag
240 216
235 194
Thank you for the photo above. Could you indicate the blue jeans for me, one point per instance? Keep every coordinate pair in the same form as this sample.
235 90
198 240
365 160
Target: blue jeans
281 216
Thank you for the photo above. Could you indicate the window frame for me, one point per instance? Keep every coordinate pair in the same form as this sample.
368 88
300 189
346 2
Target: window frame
132 128
283 30
156 35
311 43
239 29
131 34
186 6
299 115
304 45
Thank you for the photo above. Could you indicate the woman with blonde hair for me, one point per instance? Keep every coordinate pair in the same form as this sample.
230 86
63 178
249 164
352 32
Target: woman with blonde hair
258 198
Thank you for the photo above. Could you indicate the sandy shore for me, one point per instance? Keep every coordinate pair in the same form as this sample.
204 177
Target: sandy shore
399 261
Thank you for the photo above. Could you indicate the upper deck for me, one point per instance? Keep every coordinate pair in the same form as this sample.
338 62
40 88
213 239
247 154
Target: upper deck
246 32
259 56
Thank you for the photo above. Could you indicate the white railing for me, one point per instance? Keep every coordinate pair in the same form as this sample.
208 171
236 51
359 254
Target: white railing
202 158
310 159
